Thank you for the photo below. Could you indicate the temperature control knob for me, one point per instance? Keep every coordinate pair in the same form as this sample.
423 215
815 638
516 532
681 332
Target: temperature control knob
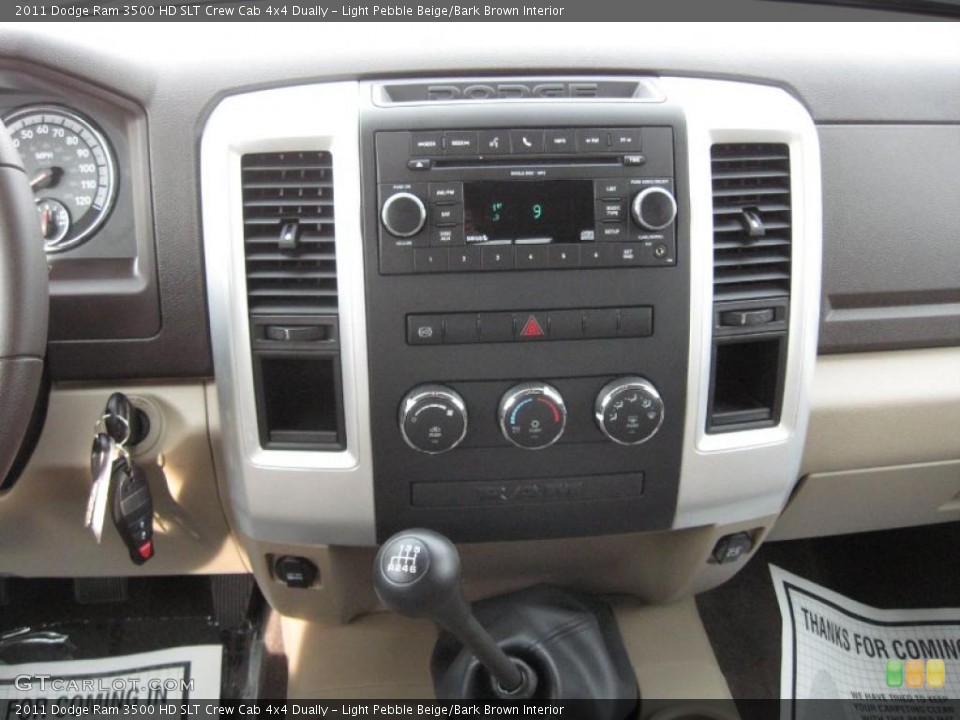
433 419
654 208
403 214
629 410
532 415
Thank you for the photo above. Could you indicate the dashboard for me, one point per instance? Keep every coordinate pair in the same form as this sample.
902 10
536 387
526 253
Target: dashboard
634 301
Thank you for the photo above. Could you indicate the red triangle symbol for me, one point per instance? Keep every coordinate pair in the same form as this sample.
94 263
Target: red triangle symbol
532 328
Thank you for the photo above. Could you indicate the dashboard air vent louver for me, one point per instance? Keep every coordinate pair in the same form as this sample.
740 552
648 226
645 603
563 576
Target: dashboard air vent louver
751 221
288 228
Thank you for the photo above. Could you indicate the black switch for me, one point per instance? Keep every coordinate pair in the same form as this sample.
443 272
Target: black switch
424 330
295 572
296 333
746 318
730 548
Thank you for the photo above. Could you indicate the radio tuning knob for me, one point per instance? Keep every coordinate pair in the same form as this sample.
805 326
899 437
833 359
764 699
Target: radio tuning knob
403 214
629 410
532 415
654 208
433 419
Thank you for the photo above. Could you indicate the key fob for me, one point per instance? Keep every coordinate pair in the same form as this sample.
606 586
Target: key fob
133 511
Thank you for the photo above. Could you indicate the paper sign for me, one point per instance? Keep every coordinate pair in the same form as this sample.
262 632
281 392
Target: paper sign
886 664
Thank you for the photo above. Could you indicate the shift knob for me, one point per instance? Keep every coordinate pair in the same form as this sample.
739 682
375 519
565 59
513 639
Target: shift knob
417 574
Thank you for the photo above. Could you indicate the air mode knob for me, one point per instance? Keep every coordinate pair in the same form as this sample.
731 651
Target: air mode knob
629 410
403 214
433 419
654 208
532 415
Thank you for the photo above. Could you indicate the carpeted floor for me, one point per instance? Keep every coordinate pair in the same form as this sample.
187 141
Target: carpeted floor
910 568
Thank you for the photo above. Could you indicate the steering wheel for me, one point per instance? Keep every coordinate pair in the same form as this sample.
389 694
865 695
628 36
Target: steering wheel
24 303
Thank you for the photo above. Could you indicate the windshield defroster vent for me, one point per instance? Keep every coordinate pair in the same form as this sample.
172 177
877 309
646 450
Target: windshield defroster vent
751 221
288 227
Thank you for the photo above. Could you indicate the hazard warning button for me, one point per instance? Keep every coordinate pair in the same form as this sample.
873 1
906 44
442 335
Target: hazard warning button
532 326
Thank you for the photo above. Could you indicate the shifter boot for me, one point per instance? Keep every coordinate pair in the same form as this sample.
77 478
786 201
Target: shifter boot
571 641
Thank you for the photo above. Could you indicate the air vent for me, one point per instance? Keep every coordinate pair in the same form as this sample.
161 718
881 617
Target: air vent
288 228
751 221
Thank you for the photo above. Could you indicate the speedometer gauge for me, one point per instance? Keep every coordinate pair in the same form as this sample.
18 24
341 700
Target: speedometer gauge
71 170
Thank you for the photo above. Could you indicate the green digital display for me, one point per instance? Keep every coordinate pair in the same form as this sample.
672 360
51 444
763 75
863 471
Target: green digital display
558 210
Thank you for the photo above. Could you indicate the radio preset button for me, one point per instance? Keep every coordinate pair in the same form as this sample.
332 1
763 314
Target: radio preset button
460 142
465 259
532 257
560 141
496 257
594 256
592 140
428 260
494 142
564 256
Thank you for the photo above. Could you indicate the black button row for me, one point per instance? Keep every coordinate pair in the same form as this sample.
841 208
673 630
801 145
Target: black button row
538 257
523 142
531 326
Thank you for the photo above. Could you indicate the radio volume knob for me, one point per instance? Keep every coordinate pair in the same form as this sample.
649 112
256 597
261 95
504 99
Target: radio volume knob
629 410
532 415
403 214
654 208
433 419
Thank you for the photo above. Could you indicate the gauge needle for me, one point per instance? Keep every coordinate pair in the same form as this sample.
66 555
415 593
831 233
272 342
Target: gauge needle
45 178
45 222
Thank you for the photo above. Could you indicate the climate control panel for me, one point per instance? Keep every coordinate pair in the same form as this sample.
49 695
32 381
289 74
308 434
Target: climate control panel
531 415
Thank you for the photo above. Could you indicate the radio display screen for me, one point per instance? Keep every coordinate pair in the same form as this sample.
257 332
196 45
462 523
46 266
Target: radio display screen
556 211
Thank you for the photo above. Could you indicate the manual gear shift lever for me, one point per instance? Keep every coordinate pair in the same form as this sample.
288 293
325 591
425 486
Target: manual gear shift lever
417 574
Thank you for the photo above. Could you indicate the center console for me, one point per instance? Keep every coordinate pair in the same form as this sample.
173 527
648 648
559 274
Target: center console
527 274
576 314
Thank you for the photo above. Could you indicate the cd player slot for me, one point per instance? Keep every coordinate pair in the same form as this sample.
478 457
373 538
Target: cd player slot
522 164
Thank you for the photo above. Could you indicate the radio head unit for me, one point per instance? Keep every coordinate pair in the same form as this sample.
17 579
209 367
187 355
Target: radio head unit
545 198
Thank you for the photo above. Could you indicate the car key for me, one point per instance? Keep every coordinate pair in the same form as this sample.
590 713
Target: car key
133 510
104 455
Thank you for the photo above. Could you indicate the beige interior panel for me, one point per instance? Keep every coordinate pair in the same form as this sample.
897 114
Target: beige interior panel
872 499
657 567
383 655
883 409
41 518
